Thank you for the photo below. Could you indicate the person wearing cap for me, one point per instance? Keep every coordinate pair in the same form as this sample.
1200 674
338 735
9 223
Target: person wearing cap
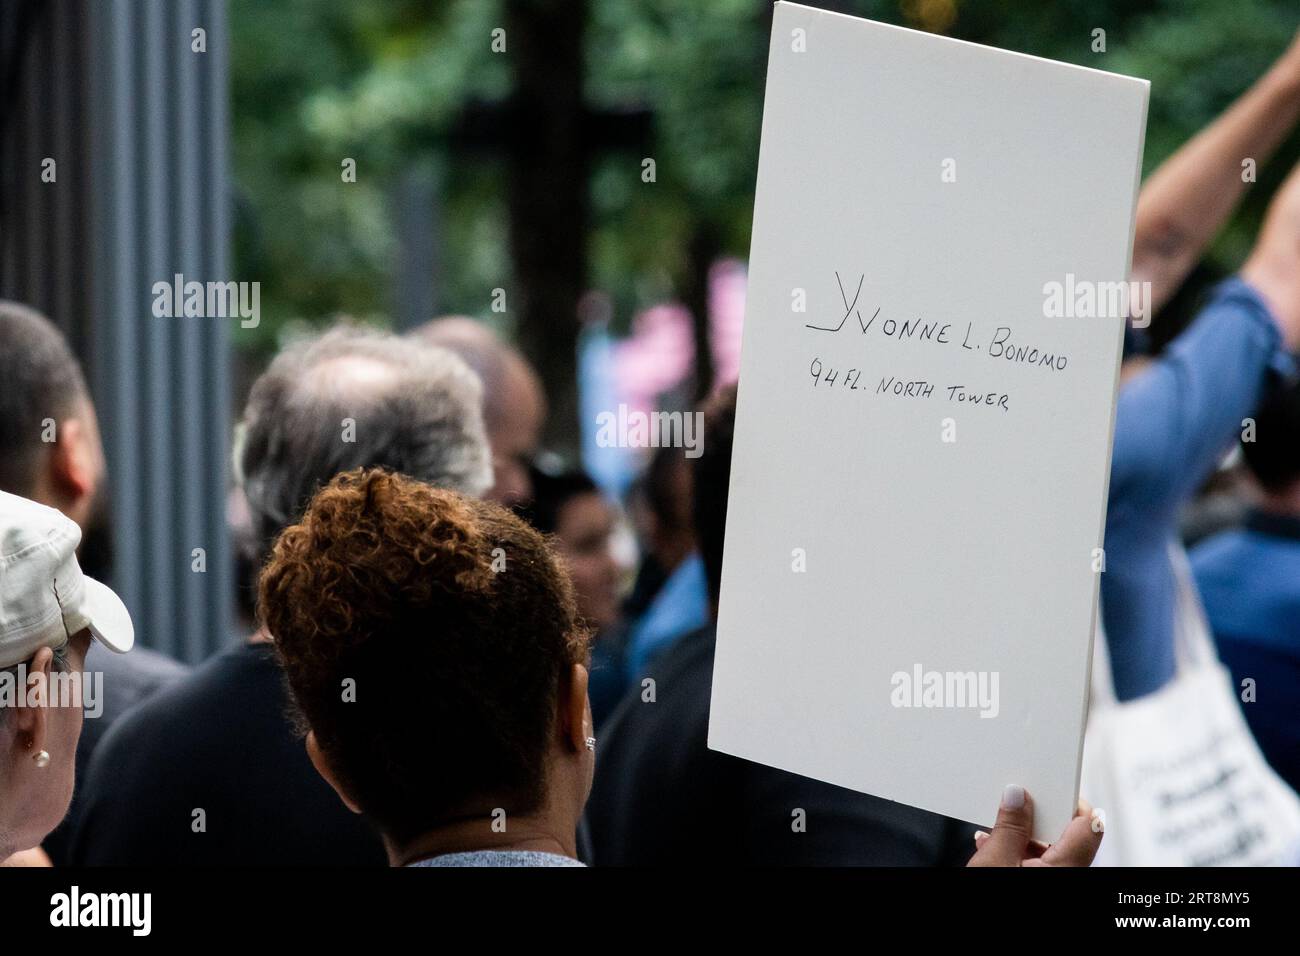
51 452
49 613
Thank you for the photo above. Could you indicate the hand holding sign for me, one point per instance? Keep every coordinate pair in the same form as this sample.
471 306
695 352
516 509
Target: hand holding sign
1010 843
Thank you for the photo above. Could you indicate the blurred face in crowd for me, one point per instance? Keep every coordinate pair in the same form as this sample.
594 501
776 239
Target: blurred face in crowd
33 799
661 511
514 433
584 528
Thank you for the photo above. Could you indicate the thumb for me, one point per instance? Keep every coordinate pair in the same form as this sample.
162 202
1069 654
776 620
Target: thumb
1008 844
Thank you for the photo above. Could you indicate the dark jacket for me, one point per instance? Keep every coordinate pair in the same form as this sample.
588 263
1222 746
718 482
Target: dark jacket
661 796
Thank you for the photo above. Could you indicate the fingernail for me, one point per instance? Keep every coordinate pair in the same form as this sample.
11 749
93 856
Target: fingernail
1013 798
1098 822
980 836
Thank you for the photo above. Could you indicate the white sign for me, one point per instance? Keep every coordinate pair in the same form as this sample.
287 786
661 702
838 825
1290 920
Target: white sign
942 234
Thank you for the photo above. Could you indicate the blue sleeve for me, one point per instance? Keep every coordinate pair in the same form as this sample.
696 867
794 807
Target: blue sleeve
1172 424
1175 420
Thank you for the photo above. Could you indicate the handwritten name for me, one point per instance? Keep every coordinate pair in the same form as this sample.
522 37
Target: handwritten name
1000 347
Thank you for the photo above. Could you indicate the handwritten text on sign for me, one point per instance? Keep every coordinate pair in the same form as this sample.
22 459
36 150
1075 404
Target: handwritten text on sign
1000 347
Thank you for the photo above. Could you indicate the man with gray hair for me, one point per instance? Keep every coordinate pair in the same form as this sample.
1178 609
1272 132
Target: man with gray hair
351 399
211 772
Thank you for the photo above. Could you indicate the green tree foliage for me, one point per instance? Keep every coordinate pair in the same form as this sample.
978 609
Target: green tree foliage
315 81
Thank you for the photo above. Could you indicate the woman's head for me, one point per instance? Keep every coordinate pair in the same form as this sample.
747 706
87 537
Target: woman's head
49 612
40 723
433 649
571 507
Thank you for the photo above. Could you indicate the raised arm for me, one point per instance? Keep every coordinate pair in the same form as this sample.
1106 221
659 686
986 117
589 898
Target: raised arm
1189 197
1176 418
1273 268
1173 422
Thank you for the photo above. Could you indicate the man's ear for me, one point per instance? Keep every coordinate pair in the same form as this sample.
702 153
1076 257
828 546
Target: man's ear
574 711
322 765
72 460
32 723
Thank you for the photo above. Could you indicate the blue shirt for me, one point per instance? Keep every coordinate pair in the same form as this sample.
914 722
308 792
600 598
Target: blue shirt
1250 583
1173 423
680 607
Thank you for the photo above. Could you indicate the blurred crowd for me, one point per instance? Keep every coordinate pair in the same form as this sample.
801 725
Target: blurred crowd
455 652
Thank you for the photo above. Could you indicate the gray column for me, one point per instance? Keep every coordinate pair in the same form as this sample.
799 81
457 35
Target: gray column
416 211
139 123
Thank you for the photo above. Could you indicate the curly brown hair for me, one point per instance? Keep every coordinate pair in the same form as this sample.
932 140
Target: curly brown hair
457 625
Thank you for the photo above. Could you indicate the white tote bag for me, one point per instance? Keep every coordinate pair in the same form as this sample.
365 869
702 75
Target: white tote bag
1177 773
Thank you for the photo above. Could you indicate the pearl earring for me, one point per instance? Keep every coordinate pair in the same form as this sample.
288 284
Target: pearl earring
42 759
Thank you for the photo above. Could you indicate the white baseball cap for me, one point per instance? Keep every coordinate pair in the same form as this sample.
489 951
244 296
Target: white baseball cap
44 597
